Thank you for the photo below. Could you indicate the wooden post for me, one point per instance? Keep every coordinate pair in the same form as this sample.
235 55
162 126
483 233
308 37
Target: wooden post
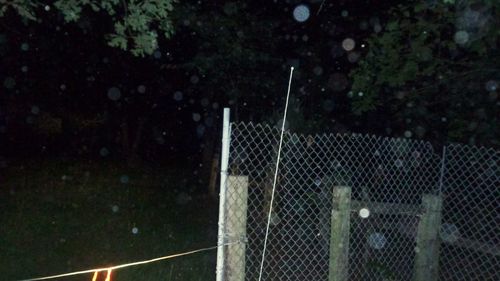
427 249
236 222
339 237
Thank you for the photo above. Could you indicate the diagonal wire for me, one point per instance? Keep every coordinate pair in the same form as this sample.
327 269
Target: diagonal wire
128 264
275 175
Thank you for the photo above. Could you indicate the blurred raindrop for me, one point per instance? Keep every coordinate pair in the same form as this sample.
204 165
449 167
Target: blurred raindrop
124 179
420 131
461 37
338 82
328 105
363 25
182 198
204 102
337 51
301 13
318 70
377 240
104 152
9 83
449 233
196 117
194 79
25 46
200 130
141 89
348 44
364 213
491 85
353 57
114 93
35 109
135 230
178 96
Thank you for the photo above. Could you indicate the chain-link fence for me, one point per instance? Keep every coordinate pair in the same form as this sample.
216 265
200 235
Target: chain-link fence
360 207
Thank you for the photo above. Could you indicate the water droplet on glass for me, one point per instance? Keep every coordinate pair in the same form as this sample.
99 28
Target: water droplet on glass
301 13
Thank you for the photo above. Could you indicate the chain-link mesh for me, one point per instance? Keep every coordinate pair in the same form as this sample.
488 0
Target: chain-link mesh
470 231
387 179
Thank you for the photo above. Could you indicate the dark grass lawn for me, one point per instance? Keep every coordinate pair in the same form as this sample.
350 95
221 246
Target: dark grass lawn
60 216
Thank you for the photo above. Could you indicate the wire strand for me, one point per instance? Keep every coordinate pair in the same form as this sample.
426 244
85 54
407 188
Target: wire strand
275 175
111 268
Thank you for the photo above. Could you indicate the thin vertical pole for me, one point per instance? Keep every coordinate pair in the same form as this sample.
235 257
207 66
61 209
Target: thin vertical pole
222 195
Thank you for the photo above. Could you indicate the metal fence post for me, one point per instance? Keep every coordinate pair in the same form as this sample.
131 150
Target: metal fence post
222 195
236 225
339 236
427 249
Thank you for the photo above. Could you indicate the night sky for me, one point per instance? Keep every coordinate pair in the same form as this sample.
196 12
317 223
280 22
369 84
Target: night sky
58 68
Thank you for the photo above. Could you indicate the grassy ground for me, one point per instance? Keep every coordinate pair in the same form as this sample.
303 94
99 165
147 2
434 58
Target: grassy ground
59 216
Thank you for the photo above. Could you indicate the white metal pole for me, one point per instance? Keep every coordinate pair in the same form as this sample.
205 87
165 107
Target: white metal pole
222 195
